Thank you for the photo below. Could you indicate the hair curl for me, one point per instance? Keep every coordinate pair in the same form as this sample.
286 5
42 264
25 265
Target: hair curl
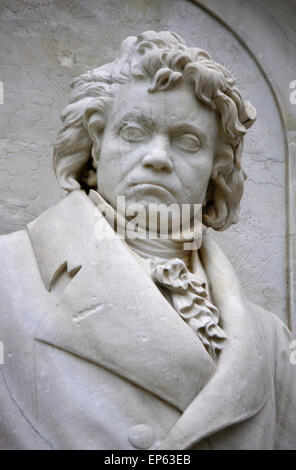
162 58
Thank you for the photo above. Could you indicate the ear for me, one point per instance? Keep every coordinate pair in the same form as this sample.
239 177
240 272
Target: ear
222 164
94 123
216 207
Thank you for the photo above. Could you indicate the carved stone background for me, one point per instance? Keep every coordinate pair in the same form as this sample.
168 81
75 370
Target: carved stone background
46 43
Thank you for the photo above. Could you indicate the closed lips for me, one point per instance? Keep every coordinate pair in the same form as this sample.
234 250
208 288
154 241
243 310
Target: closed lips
152 183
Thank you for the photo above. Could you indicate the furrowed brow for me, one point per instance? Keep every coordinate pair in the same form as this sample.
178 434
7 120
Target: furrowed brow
137 117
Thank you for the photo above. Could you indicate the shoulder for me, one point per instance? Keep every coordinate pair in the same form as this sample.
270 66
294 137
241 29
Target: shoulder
271 324
16 255
277 337
284 376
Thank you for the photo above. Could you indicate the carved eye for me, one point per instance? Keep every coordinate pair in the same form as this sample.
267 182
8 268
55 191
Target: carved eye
133 134
187 142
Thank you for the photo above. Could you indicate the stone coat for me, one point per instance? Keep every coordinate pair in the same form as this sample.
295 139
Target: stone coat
92 349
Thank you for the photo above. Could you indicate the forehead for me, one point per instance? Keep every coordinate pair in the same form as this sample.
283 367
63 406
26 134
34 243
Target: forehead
162 108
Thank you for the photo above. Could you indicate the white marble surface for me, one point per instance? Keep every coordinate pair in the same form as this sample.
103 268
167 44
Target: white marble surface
102 359
96 366
44 48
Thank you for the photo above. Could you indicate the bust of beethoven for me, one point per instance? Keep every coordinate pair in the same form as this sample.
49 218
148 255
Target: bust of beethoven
139 343
134 109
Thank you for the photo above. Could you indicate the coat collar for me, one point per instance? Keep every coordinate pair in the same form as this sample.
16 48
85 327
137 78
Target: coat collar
155 349
242 383
102 314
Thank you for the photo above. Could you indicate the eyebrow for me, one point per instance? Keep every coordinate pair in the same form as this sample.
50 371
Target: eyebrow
139 116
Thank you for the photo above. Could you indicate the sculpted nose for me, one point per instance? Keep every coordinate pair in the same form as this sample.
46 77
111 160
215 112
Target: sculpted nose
158 159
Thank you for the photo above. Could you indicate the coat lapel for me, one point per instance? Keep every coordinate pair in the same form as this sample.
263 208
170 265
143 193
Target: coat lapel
241 384
110 312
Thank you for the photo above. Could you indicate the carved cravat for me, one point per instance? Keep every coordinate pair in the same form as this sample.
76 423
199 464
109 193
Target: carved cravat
189 295
191 301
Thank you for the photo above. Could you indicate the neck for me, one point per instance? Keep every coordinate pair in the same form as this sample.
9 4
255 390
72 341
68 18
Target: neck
162 249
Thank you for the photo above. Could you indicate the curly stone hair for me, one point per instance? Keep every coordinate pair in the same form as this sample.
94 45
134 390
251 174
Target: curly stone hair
162 59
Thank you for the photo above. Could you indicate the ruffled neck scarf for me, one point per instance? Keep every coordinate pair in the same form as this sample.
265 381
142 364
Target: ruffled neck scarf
182 280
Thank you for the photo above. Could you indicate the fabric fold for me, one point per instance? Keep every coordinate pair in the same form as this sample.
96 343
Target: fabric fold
191 301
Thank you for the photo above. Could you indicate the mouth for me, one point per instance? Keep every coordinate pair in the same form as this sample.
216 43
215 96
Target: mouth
152 184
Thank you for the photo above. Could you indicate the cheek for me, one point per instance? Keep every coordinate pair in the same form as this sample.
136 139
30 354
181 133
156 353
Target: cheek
194 175
198 167
114 164
204 167
110 158
108 169
117 152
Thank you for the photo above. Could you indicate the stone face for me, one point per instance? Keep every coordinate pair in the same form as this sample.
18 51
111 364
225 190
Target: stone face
140 344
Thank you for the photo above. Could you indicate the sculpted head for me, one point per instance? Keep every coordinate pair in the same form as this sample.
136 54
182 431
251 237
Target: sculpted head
162 123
